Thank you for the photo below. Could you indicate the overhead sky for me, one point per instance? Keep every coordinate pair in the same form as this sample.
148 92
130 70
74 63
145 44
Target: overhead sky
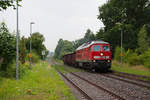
55 19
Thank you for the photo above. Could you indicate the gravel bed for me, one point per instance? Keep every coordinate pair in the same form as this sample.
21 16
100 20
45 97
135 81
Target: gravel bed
125 90
139 82
92 91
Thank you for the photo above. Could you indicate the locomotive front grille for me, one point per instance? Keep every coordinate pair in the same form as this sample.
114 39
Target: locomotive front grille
100 61
99 57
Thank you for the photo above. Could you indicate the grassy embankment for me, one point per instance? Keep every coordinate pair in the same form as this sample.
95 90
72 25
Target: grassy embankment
66 69
138 70
40 83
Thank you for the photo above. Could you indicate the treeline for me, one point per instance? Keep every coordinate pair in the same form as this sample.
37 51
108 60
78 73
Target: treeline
64 46
8 50
132 18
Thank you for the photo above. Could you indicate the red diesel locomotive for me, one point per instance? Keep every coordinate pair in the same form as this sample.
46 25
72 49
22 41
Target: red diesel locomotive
95 55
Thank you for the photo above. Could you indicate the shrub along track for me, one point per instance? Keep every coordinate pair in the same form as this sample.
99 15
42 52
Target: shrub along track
85 93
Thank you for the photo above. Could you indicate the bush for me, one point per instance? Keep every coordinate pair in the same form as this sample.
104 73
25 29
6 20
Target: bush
134 59
23 69
128 56
35 58
146 58
7 47
118 52
11 71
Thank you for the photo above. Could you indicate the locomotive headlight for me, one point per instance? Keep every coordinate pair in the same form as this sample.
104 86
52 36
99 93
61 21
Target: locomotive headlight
101 54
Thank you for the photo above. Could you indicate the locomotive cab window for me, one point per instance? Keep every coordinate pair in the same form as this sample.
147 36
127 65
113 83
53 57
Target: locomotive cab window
105 48
91 49
97 48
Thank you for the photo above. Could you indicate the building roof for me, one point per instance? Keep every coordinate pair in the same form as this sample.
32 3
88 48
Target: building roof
88 44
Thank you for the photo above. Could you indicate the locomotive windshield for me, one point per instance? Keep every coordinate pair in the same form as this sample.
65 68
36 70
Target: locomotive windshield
105 48
97 48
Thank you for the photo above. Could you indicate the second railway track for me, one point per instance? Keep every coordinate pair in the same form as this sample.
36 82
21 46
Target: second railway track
132 76
127 81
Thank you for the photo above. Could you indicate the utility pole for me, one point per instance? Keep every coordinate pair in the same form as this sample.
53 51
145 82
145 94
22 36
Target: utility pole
31 44
121 38
121 45
17 48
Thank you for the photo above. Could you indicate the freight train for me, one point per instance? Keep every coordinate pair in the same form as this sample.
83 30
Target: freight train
95 55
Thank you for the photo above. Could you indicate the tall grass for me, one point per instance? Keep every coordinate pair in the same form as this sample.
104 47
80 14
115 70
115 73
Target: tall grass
127 68
40 83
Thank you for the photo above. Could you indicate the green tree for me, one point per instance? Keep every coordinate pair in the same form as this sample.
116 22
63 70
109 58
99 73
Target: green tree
63 47
132 14
4 4
58 48
146 58
66 49
100 34
143 40
7 47
37 43
78 42
89 36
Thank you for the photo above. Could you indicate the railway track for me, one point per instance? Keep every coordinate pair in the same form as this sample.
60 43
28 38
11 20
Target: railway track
77 87
132 76
99 87
125 76
123 89
142 76
127 81
86 94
